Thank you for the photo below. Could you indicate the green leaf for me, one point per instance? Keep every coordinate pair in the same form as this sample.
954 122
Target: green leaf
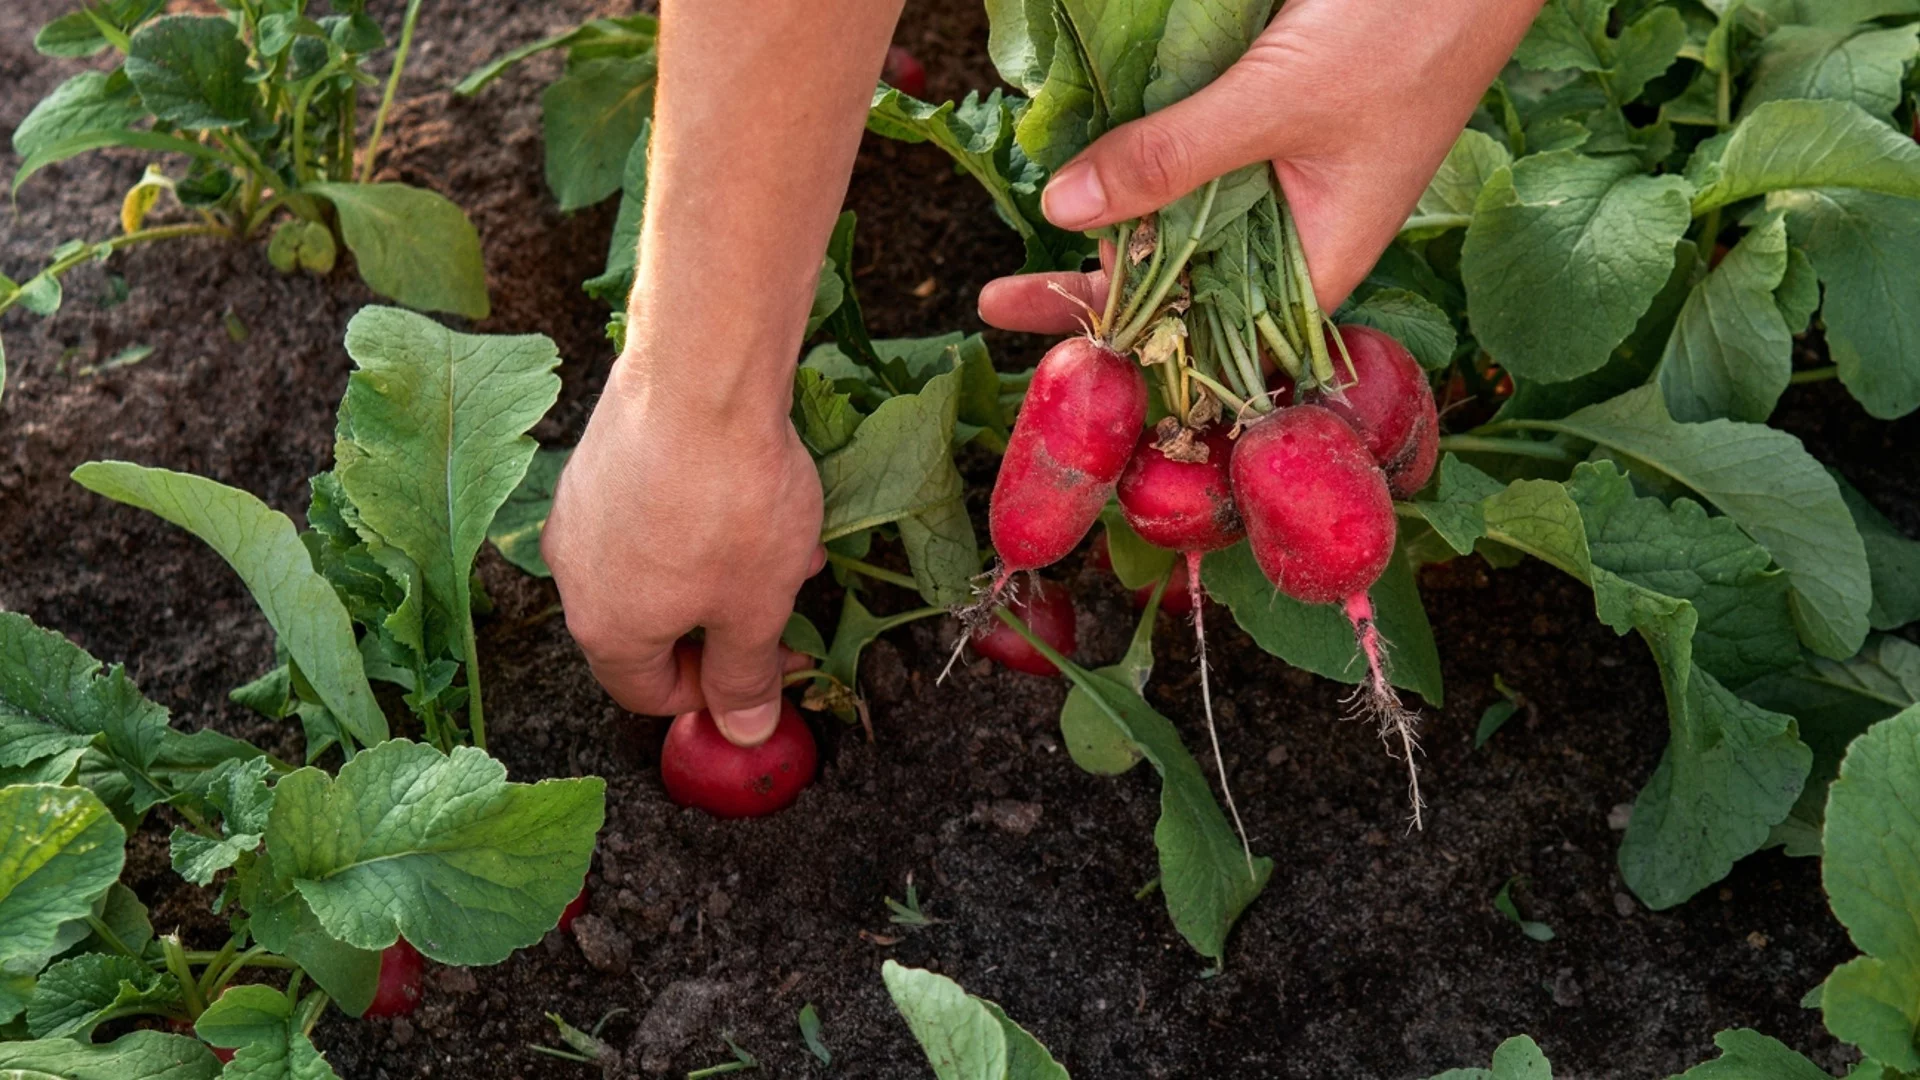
1730 770
1135 562
432 441
60 851
148 1055
1834 702
412 245
1455 511
1205 874
1871 871
238 790
262 547
899 466
1094 742
1564 255
260 1025
1731 353
1121 42
1066 114
623 248
287 926
55 701
810 1033
1519 1058
1450 196
824 417
73 145
75 996
1202 39
441 850
1317 637
90 101
1832 12
518 523
1503 903
72 35
1892 559
1020 40
591 116
1646 48
1746 1054
1799 292
978 133
965 1037
191 71
1804 144
1745 627
1866 249
1566 34
1413 320
1767 483
1861 64
627 35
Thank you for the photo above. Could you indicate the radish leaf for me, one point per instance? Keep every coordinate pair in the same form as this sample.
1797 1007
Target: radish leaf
591 117
1804 144
1767 483
262 547
1450 196
1892 559
1864 65
60 851
518 523
262 1025
443 850
77 995
90 101
1871 873
1746 1054
965 1037
150 1055
1564 255
191 71
1519 1058
1731 352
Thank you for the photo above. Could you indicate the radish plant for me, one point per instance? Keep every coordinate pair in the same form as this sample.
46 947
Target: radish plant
263 106
340 879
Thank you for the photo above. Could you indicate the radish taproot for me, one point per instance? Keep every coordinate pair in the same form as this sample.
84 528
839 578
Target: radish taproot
1048 611
398 992
1073 437
701 769
1321 524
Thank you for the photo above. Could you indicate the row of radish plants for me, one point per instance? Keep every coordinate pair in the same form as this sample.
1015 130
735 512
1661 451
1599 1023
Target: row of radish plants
1601 292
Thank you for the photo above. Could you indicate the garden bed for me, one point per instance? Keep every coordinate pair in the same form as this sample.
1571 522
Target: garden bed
1373 952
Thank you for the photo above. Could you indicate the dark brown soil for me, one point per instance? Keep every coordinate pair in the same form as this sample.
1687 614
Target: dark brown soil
1372 954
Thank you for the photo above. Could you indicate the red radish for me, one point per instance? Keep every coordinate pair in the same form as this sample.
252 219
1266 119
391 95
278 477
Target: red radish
1101 558
1391 406
1071 441
1047 609
185 1027
574 909
1321 524
701 769
399 991
1177 601
904 72
1181 505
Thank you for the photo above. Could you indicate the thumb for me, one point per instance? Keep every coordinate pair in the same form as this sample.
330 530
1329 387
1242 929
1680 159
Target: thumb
740 668
1144 165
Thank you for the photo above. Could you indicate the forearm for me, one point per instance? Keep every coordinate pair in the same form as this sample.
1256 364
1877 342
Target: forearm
758 117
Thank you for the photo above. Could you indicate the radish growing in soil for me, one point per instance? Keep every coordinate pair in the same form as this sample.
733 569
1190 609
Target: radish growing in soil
1320 521
701 769
1047 609
398 993
904 72
574 909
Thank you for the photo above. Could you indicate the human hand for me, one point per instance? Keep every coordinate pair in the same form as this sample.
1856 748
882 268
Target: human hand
669 518
1355 102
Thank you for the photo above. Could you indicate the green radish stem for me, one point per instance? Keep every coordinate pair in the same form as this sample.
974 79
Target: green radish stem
1227 397
1117 277
393 83
1121 257
1481 444
1163 284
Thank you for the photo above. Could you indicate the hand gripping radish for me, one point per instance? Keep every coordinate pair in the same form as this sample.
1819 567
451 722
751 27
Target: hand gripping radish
1321 524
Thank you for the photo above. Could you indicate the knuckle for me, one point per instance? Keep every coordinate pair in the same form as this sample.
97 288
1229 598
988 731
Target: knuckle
1161 162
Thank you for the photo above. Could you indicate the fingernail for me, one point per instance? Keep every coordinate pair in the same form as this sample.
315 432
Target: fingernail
749 727
1074 197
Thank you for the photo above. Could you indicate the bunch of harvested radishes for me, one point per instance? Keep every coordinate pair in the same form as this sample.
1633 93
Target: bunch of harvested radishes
1304 462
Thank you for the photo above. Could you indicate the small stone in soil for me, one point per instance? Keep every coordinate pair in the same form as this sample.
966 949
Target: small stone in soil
1620 817
1624 905
683 1012
1009 815
604 946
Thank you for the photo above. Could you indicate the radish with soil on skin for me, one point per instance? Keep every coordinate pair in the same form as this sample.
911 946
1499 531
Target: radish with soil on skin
1320 521
1048 611
398 993
701 769
1391 406
1073 438
904 72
